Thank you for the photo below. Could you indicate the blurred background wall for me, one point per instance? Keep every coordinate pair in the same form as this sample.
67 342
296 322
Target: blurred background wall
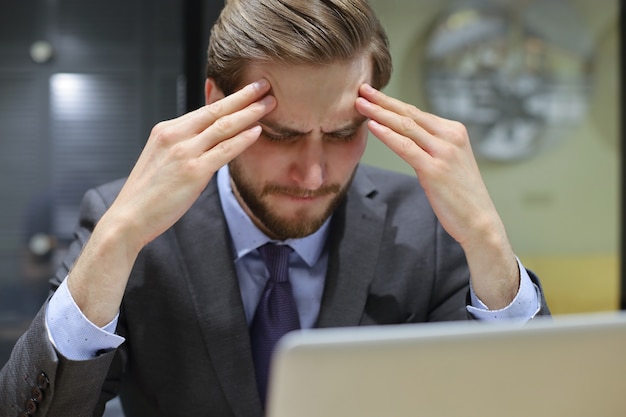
557 188
81 85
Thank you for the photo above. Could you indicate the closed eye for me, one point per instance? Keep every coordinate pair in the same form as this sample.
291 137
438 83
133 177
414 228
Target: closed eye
285 137
342 136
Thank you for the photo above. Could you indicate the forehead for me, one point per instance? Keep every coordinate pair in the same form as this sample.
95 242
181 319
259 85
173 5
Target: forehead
313 96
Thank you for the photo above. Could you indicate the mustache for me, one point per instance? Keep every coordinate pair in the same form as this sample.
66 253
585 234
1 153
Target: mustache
301 192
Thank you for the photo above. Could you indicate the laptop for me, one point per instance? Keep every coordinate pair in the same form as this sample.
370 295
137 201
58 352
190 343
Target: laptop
564 366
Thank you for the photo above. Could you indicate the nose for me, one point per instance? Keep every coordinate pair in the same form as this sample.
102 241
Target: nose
309 166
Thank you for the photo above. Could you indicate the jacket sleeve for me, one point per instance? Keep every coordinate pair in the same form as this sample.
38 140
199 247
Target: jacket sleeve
38 381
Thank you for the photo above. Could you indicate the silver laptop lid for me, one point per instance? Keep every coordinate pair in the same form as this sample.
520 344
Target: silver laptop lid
565 366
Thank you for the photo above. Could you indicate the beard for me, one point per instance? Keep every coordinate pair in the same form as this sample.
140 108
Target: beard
278 227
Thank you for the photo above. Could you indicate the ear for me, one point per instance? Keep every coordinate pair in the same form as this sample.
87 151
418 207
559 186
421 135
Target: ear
212 92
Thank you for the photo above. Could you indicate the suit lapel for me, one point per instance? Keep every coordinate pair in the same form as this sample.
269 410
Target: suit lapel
215 293
354 245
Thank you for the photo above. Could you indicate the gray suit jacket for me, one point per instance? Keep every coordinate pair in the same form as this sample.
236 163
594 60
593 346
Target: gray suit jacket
187 350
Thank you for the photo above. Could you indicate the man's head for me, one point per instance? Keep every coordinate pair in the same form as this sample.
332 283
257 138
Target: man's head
315 55
297 32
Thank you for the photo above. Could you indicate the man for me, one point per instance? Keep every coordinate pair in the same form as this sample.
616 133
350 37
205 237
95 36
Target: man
167 271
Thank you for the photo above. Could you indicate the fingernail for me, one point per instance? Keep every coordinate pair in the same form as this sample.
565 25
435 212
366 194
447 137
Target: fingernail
363 101
267 100
260 84
368 88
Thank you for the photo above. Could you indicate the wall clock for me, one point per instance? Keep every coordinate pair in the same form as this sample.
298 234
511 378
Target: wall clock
516 73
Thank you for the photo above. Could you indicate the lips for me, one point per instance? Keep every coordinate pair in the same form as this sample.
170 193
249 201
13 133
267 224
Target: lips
300 193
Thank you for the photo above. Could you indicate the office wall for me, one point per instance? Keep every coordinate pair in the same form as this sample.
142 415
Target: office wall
71 121
561 206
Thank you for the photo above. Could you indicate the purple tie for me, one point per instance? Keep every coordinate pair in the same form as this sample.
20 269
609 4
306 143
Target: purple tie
276 313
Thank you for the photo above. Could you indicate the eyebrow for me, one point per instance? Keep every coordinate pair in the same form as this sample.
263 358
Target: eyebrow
287 131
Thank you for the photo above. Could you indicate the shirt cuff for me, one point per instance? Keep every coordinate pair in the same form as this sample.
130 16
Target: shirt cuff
524 306
72 334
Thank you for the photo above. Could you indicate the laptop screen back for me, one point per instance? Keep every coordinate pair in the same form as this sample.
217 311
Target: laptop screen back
567 366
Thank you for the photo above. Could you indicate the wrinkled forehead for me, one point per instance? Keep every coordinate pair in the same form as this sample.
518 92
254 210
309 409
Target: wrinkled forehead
312 96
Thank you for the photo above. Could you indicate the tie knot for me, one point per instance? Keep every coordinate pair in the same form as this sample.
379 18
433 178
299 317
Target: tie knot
276 258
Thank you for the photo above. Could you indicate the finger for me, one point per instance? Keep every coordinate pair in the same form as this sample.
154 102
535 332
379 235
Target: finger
430 122
230 125
403 146
199 119
402 125
227 150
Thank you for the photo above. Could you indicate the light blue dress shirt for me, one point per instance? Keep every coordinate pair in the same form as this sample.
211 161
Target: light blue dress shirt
307 263
77 338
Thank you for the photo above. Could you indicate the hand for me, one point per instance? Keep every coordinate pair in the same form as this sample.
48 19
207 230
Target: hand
182 155
440 153
179 159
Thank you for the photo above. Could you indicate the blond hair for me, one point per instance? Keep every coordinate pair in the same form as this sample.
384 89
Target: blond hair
294 32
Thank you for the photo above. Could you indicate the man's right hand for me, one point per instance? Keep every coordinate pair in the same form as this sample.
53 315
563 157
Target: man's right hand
179 159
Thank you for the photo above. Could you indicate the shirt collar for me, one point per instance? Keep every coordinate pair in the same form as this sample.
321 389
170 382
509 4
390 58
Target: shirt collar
246 236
